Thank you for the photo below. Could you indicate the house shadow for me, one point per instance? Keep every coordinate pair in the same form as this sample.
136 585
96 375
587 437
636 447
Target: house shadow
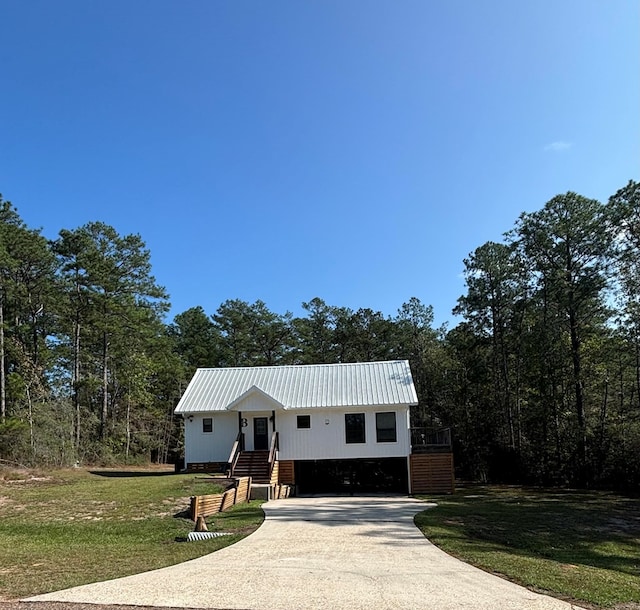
122 474
182 514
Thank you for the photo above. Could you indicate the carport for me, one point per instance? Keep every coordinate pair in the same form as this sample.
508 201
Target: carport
355 476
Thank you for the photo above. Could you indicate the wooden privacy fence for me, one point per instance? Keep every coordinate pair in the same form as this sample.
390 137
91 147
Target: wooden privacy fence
432 473
205 506
286 472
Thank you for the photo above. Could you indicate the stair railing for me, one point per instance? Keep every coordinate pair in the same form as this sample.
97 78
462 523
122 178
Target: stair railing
273 449
235 453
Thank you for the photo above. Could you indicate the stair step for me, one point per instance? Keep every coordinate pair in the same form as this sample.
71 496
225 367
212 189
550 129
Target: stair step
254 464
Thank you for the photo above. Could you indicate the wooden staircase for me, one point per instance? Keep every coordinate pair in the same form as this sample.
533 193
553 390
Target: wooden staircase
254 464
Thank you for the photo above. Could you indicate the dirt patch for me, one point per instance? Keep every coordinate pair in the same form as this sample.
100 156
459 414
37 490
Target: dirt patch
29 479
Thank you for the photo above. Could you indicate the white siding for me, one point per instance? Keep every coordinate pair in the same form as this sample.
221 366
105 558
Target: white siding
325 441
255 405
210 446
248 429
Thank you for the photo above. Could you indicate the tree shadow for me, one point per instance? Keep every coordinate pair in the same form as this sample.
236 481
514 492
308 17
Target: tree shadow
130 473
573 527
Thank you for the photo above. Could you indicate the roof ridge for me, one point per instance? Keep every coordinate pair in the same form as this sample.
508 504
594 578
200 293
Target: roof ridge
282 366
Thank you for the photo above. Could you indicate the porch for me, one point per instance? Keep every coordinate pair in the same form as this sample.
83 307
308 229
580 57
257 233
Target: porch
431 461
430 440
261 465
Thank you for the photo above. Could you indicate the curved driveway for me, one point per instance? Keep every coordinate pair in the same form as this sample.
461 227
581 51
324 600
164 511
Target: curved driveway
321 552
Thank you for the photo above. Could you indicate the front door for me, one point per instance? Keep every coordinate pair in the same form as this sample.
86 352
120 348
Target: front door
260 433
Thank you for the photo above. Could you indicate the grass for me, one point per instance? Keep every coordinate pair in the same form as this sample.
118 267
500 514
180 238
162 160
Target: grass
580 546
67 528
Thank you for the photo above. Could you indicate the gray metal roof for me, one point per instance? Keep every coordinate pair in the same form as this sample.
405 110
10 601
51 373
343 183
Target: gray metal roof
303 386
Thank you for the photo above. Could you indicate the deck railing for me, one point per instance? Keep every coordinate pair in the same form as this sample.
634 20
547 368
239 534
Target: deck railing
425 440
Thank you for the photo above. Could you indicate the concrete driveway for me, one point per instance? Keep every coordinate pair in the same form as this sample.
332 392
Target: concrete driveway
321 552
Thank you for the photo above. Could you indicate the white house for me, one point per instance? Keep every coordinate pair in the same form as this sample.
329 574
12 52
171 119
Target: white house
324 427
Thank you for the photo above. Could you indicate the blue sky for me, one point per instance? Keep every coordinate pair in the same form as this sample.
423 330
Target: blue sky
351 150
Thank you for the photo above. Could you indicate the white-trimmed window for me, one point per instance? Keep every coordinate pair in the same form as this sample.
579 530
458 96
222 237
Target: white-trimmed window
354 428
207 425
303 422
386 427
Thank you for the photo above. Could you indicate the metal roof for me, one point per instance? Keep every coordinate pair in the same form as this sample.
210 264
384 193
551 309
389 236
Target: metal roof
358 384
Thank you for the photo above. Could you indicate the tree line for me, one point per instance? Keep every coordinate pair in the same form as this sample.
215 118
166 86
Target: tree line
539 381
550 346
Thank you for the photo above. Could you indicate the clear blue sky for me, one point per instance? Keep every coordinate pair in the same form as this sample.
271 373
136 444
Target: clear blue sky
351 150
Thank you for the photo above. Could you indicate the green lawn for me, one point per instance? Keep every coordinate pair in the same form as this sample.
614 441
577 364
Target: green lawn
67 528
583 546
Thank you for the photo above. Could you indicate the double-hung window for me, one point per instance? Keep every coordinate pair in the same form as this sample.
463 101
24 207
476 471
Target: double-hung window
386 427
354 428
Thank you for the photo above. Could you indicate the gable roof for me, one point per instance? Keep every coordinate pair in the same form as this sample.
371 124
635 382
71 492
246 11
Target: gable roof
254 389
308 386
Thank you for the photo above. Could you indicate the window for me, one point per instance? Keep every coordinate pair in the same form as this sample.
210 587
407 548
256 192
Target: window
304 422
386 427
354 427
207 424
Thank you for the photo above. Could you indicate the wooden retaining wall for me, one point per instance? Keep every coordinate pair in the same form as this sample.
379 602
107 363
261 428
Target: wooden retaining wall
274 473
432 473
243 488
205 467
280 491
205 506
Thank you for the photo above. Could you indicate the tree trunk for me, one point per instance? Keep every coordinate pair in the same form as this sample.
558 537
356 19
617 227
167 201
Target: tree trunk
3 393
105 386
637 370
31 437
76 381
126 451
603 425
579 398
